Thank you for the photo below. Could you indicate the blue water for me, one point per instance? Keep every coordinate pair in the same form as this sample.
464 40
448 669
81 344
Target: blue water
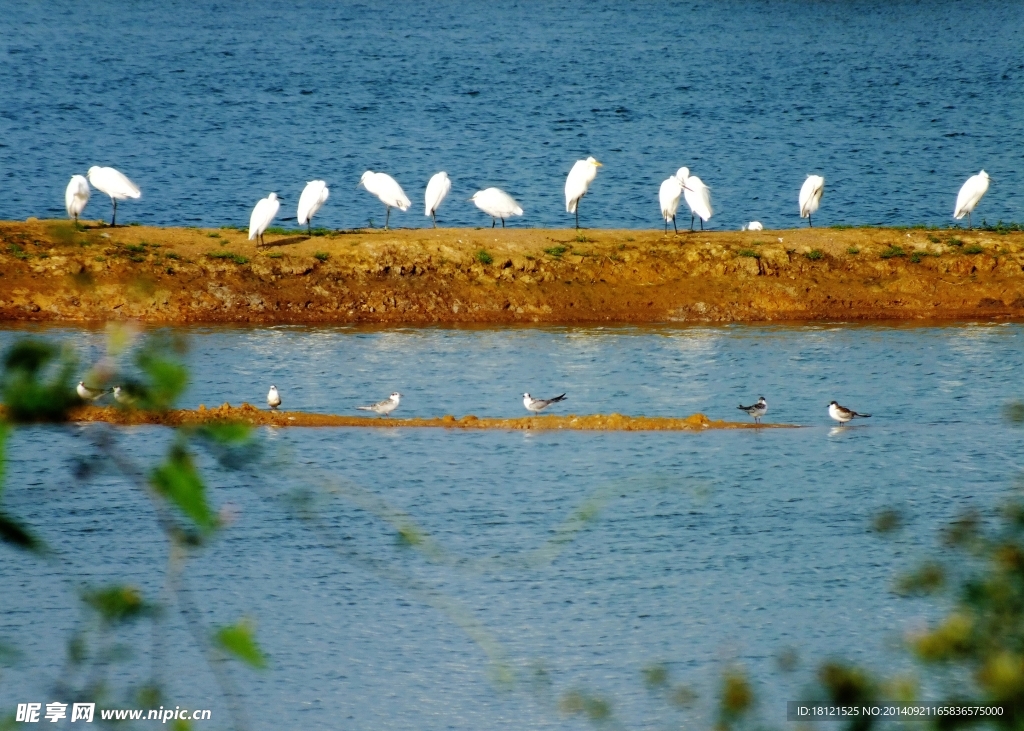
706 551
208 107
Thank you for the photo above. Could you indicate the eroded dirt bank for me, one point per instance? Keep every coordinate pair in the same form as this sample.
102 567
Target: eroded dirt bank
248 414
50 271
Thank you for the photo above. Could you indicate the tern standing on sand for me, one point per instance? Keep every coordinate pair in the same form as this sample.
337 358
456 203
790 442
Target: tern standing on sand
385 407
115 184
273 398
87 393
843 414
536 405
756 410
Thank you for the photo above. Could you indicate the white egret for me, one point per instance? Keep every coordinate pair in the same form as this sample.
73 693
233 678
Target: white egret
668 197
577 184
437 191
497 204
261 217
76 196
752 226
969 196
113 183
810 196
387 190
697 196
313 197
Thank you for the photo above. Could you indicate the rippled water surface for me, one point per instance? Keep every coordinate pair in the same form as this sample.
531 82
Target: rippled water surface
210 106
705 550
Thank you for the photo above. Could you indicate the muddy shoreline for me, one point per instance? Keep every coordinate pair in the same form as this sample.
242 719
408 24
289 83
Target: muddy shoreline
50 271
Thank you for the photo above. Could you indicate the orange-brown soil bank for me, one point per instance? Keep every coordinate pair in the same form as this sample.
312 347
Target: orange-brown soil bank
50 271
249 414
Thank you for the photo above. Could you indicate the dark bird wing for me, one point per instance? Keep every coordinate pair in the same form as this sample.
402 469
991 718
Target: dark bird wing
554 400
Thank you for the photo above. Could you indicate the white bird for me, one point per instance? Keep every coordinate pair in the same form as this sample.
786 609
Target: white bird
384 407
437 191
752 226
697 196
756 410
262 215
76 196
668 196
810 196
113 183
314 195
843 414
273 398
576 185
969 196
387 190
497 204
88 393
122 396
537 405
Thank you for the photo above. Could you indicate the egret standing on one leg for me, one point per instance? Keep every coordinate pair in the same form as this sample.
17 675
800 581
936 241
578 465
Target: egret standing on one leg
668 197
313 197
810 196
969 196
576 185
261 217
387 190
697 196
497 204
76 196
113 183
437 191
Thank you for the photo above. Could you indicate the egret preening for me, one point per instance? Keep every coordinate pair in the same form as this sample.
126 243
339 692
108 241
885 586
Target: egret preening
697 196
668 197
262 215
971 192
497 204
113 183
313 197
437 191
752 226
76 196
576 185
387 190
810 196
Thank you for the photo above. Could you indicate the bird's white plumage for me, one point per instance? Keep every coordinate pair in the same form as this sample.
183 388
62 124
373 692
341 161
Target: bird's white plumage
386 189
123 397
970 194
578 182
273 398
696 194
314 195
810 195
437 190
76 196
536 405
113 182
496 203
668 197
384 407
89 393
262 215
753 226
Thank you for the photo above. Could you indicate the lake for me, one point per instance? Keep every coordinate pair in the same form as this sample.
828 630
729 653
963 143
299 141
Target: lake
702 551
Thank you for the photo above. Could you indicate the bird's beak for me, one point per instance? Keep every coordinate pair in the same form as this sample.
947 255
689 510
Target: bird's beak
598 164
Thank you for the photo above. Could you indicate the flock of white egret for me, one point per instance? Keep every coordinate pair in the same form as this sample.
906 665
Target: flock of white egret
493 201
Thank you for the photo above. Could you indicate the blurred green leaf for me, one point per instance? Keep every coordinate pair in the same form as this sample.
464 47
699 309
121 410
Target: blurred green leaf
847 685
231 433
1014 412
4 432
178 481
927 579
737 698
118 604
887 521
166 376
682 696
238 640
27 396
655 676
11 531
577 702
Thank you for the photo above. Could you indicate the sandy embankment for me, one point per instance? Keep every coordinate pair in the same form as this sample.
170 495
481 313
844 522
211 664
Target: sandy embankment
248 414
49 271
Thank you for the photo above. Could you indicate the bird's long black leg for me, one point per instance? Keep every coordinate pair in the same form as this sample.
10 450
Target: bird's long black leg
387 217
577 215
702 224
810 223
969 224
113 220
503 223
433 218
674 225
691 222
494 222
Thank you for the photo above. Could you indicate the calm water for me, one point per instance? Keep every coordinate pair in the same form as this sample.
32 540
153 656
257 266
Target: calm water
209 107
708 550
